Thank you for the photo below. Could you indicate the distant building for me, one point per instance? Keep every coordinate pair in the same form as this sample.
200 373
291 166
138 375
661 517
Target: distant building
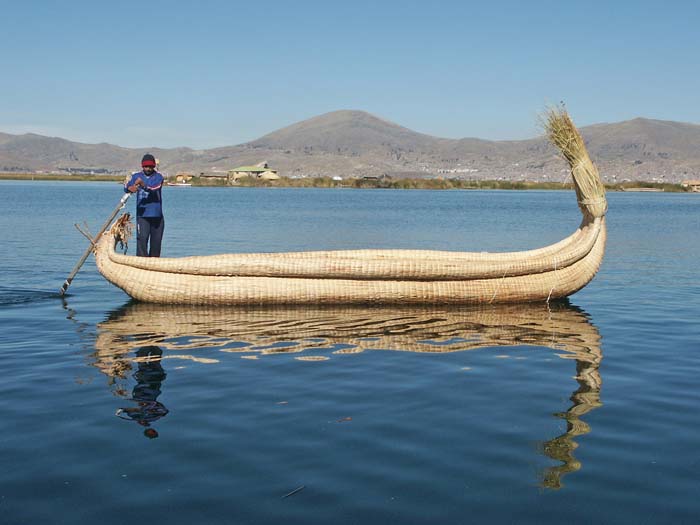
383 176
261 171
212 175
693 185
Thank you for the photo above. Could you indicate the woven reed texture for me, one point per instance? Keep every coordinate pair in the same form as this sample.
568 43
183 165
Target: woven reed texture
420 265
165 288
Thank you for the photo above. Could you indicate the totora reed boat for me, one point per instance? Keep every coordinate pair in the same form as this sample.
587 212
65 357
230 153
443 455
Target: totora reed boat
381 276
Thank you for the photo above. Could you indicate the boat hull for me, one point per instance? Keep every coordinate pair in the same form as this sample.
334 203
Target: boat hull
164 287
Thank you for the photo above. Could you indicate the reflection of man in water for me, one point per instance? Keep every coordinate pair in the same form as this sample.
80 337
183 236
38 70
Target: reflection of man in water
149 376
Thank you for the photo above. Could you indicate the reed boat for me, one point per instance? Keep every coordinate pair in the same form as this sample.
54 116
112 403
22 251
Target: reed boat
381 276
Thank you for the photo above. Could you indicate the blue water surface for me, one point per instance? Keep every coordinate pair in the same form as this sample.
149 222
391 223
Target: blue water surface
579 412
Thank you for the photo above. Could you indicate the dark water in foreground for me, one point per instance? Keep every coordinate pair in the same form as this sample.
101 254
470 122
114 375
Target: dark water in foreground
116 412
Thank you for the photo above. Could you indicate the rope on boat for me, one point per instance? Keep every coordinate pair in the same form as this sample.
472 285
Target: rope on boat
551 290
498 286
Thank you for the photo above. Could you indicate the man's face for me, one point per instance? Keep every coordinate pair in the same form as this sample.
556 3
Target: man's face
148 170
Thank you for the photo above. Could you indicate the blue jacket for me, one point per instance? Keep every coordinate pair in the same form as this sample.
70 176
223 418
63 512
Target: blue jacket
149 202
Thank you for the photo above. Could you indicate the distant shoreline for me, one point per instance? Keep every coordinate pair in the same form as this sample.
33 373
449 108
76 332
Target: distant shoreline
374 183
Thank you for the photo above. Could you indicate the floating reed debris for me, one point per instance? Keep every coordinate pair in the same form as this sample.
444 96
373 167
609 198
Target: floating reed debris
295 491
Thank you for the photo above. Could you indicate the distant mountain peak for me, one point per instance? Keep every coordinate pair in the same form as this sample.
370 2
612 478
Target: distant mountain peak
352 115
342 117
348 113
345 131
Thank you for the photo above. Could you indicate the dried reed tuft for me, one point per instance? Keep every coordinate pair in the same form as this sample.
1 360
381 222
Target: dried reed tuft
562 132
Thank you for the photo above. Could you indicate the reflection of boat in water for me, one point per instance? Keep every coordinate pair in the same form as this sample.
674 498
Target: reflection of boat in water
380 276
183 332
435 330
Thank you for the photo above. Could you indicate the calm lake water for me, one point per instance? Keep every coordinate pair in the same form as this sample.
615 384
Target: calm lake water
118 412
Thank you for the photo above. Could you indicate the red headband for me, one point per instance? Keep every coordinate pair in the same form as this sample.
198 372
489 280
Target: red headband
146 163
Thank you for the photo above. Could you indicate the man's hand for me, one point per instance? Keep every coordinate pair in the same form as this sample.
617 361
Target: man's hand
135 187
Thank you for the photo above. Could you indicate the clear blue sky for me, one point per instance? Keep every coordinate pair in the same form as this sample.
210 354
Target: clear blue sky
213 73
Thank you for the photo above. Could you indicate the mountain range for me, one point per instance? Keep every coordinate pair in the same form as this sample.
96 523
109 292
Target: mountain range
356 144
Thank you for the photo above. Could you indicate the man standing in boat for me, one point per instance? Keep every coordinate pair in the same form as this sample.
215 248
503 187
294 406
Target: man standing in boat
150 223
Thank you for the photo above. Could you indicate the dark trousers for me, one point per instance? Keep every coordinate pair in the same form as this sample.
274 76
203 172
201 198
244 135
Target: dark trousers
149 228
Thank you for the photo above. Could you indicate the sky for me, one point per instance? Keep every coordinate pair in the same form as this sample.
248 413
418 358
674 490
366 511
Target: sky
214 73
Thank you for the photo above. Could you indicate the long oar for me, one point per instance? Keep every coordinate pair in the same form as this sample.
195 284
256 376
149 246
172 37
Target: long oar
76 268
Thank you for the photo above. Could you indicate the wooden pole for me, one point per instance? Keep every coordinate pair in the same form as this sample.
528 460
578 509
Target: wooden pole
76 268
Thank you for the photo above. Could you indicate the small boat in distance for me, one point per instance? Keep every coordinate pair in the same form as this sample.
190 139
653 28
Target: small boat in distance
178 184
642 189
